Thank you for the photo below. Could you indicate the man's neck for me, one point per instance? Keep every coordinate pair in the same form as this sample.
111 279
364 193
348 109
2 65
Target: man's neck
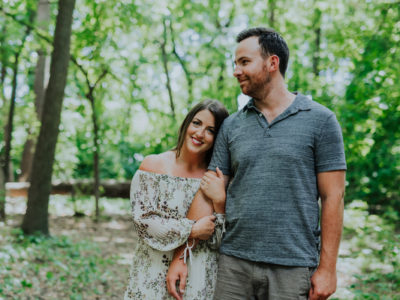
274 100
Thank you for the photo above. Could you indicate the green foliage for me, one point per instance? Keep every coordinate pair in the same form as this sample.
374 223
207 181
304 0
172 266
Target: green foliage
31 264
372 243
343 53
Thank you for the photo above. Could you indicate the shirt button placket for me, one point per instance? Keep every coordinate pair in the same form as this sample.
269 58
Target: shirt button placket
268 132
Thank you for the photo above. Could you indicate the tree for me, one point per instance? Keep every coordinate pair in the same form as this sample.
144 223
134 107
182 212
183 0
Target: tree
91 87
164 57
36 217
5 160
43 18
342 53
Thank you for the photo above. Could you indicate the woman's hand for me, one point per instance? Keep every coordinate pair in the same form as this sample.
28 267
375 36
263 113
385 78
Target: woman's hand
203 228
213 186
177 272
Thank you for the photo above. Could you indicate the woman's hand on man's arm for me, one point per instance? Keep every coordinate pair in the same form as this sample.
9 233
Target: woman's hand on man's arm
213 185
203 228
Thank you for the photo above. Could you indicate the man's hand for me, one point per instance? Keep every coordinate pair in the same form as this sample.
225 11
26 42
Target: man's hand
177 271
323 284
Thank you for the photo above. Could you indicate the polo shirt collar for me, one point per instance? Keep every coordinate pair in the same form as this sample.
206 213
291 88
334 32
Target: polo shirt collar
249 105
301 102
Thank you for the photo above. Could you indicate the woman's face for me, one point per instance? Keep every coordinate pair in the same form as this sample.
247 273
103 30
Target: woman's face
200 132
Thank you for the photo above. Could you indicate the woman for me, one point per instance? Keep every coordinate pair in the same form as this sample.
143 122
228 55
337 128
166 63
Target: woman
161 192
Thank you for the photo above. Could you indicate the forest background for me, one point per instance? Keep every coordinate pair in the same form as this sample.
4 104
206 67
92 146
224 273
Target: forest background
136 67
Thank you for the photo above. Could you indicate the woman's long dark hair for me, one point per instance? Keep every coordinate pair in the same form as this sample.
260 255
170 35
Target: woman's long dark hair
216 108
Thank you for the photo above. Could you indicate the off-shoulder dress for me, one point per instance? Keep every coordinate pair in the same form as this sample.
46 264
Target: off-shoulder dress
159 206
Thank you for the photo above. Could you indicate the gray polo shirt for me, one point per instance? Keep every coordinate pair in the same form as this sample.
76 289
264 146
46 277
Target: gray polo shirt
272 212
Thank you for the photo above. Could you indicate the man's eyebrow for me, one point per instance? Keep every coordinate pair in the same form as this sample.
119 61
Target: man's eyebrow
240 58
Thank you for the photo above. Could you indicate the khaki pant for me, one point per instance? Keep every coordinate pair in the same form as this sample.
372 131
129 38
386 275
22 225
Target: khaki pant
240 279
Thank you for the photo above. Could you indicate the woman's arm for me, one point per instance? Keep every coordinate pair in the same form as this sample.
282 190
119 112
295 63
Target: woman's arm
201 206
177 270
151 222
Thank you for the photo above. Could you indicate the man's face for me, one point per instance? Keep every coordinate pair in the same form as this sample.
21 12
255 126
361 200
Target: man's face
251 68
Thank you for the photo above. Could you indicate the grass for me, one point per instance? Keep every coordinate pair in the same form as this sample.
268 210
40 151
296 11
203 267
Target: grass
371 243
81 260
41 267
88 260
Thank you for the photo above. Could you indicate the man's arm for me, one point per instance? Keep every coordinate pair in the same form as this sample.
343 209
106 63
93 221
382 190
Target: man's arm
331 190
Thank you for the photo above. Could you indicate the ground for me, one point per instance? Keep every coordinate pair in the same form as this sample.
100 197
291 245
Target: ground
85 259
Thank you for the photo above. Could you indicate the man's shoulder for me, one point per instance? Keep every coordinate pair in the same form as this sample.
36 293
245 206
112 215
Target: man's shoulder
316 108
234 118
321 109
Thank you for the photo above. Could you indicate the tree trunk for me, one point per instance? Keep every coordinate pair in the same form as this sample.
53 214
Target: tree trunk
3 73
185 69
9 126
27 157
3 70
165 65
271 16
2 196
96 145
43 17
220 82
90 96
5 161
317 41
36 217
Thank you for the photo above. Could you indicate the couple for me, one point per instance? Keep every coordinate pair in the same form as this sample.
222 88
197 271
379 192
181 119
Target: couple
279 154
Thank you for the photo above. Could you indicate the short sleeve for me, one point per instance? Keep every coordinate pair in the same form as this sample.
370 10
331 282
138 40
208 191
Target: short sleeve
221 155
215 240
329 152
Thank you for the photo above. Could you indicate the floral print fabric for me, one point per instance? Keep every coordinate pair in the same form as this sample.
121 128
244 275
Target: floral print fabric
159 206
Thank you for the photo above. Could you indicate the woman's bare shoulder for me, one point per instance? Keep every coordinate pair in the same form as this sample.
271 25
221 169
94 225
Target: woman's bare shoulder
157 163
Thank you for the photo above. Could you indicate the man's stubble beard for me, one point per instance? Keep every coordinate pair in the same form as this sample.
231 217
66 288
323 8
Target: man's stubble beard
257 89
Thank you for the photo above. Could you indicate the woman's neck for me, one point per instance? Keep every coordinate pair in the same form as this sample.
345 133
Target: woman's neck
190 164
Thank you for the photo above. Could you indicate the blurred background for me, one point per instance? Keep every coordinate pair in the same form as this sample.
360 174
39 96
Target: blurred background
135 69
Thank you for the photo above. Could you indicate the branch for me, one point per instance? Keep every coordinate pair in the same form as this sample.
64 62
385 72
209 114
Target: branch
29 26
182 62
105 71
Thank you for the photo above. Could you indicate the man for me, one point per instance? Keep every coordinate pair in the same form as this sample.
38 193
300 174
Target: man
281 153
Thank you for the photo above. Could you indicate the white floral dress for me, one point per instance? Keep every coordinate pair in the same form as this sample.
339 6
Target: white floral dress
159 206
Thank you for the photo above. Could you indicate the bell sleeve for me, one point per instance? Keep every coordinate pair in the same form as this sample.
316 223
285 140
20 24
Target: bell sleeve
151 220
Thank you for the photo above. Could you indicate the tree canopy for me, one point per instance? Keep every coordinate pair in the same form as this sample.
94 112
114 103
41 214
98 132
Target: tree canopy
161 57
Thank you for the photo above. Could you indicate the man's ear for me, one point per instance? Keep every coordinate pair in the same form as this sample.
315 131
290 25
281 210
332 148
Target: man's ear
273 62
